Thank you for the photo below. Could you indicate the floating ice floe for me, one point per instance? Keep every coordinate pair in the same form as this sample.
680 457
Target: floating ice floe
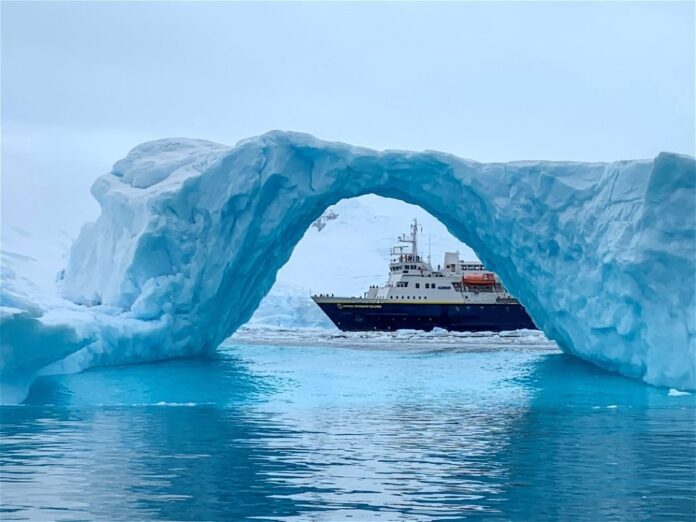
677 393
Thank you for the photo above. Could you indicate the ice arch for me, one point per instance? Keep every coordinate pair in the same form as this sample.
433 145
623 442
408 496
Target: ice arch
192 233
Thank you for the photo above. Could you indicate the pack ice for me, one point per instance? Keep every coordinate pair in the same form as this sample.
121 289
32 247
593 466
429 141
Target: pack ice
192 233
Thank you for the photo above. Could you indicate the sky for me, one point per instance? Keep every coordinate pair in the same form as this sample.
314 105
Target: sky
82 83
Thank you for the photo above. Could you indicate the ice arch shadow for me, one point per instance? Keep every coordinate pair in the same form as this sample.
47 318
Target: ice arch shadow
192 234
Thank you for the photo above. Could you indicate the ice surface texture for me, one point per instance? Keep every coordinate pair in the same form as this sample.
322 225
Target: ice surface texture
192 233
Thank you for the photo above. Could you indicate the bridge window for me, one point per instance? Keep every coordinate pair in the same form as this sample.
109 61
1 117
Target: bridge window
417 285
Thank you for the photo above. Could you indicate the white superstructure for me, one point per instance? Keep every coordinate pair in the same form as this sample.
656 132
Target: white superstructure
413 279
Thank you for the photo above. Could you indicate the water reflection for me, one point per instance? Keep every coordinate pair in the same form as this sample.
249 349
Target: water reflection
601 447
304 434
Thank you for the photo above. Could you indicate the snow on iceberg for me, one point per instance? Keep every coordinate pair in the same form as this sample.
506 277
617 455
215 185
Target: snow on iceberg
289 307
192 234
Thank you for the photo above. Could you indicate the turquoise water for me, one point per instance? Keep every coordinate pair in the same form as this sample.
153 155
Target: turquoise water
332 433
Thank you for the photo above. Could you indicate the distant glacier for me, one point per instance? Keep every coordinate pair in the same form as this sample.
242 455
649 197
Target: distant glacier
192 234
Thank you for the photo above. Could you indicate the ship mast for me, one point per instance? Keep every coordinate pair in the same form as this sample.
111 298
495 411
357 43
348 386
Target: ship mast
413 240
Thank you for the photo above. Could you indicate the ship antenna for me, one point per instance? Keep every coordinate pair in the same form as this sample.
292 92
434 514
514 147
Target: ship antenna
430 237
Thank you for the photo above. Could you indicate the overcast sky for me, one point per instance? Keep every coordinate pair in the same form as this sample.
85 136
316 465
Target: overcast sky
82 83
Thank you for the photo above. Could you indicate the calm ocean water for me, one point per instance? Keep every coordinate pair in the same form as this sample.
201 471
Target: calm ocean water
502 430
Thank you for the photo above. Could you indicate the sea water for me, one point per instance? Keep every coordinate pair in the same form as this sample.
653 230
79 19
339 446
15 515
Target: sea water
352 427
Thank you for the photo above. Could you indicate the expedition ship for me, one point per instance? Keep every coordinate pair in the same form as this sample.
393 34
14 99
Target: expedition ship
460 296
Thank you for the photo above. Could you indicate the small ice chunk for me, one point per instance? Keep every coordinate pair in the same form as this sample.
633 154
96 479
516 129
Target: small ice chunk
673 392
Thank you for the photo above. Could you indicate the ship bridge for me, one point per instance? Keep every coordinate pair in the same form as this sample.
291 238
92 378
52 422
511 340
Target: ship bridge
405 261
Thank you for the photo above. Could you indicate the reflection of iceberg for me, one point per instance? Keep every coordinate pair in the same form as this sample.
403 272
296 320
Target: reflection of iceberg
290 433
192 234
603 446
151 453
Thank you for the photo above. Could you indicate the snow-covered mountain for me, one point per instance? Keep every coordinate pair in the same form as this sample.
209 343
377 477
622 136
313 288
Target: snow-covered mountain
346 254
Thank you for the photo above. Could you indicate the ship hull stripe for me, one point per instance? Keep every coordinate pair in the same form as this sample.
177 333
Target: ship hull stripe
380 316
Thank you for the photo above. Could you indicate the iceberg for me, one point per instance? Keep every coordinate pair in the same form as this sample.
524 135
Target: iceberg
289 307
192 234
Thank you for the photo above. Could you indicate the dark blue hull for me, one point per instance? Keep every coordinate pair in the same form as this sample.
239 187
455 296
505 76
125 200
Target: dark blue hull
352 316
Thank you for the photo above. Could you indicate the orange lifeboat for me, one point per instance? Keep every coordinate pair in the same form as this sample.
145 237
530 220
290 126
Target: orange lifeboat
480 279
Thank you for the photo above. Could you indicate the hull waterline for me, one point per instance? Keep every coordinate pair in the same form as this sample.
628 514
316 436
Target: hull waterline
363 315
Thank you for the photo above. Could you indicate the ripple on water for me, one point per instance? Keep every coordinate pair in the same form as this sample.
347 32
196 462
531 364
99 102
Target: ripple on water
427 431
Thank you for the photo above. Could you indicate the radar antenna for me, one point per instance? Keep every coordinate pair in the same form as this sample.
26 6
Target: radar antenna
430 244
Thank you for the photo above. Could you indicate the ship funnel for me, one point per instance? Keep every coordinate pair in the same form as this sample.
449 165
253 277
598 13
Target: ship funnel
451 260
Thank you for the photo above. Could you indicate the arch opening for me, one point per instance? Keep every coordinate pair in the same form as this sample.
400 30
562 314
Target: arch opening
346 252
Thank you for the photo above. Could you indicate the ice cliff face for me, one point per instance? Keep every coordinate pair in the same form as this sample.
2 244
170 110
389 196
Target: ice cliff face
192 234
